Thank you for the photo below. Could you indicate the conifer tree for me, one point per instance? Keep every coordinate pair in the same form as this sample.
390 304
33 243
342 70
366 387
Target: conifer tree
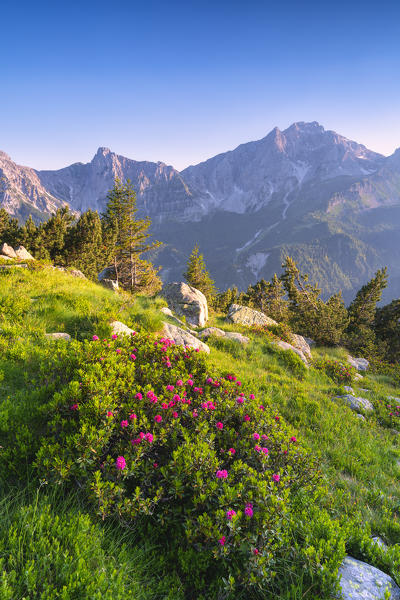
197 275
387 330
224 300
130 236
84 245
362 311
269 298
53 234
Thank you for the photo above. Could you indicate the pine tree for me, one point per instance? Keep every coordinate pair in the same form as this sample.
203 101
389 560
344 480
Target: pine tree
84 245
224 300
324 322
130 235
269 298
53 234
362 311
387 330
197 275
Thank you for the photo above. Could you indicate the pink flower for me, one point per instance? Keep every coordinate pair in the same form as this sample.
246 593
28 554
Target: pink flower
164 406
257 448
229 514
133 356
222 540
276 477
261 407
256 436
232 451
222 474
132 416
95 338
251 396
246 418
118 351
120 463
74 407
293 439
248 511
264 451
176 398
179 382
277 418
155 465
136 441
238 383
124 424
110 414
114 337
219 425
148 437
175 415
255 551
139 396
170 388
158 418
240 400
264 437
190 382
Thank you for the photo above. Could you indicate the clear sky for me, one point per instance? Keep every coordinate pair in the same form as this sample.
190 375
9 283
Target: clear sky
183 81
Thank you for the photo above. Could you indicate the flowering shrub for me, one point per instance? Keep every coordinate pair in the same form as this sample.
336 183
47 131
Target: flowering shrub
336 370
193 458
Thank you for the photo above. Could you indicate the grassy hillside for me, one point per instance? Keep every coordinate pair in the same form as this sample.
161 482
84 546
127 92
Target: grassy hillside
52 544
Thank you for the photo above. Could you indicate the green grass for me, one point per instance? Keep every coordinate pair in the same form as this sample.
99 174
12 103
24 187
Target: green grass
360 460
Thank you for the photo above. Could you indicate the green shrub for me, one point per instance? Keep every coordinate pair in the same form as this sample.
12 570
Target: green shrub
148 433
336 370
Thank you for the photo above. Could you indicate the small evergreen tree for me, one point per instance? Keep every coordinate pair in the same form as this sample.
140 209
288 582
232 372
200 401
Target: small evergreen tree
197 275
360 332
130 237
387 330
224 300
269 298
84 245
53 233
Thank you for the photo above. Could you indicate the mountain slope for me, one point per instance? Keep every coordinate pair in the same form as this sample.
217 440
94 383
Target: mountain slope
330 202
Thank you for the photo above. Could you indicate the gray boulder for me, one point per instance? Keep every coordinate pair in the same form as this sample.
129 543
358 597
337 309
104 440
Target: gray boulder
361 364
248 316
167 311
119 328
348 389
7 251
229 335
107 273
4 257
186 301
110 284
360 581
183 338
58 336
298 341
356 403
23 254
285 346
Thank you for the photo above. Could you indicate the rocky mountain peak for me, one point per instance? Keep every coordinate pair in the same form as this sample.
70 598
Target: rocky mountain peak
4 156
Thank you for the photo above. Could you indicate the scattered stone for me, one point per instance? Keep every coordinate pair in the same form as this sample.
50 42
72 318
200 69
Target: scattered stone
183 338
299 342
286 346
186 301
77 273
364 390
110 284
361 364
309 341
23 254
7 251
13 266
107 273
4 257
379 542
361 417
248 316
393 398
229 335
360 581
58 336
348 389
358 377
356 403
118 328
167 311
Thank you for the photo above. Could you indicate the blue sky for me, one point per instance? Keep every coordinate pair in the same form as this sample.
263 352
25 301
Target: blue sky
182 81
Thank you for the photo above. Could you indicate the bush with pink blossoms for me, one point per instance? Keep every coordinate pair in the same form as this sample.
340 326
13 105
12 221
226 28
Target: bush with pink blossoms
179 474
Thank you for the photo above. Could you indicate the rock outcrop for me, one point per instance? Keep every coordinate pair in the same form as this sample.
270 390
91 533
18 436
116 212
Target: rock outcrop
23 254
360 581
183 338
119 328
357 403
361 364
229 335
244 315
298 341
58 336
186 301
7 251
285 346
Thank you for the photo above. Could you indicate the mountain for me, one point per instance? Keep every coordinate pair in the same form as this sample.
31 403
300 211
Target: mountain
328 201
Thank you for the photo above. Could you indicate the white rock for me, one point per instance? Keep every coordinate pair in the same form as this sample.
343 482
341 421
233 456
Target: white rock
7 251
23 253
186 301
360 581
361 364
183 338
167 311
248 316
58 336
118 328
285 346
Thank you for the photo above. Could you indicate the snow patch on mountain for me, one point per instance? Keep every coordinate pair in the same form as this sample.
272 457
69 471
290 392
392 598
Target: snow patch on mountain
256 262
